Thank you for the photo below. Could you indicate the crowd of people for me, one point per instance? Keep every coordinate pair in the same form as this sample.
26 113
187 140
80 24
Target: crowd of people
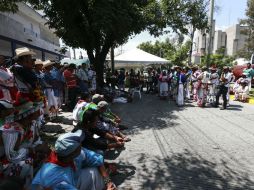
202 85
33 91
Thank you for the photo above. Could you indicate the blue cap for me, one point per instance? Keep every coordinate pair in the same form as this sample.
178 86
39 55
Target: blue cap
68 143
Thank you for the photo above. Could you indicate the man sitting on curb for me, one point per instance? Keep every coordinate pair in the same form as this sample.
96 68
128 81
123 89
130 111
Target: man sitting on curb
88 125
108 125
72 167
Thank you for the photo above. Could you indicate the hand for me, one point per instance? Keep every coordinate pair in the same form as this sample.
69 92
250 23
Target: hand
118 120
111 186
119 139
119 144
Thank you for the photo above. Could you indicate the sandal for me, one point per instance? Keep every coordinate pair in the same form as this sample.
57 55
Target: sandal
111 168
127 139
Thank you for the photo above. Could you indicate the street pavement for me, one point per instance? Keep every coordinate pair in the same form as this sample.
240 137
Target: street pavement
176 148
186 148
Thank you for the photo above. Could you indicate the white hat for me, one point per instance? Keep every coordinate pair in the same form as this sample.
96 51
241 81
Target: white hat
47 63
97 98
6 104
102 104
24 51
38 62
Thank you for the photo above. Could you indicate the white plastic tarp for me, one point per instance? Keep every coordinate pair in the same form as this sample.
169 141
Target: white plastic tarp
75 61
138 56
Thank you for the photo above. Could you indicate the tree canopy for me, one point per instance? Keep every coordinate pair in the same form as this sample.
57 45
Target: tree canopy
9 5
98 25
248 48
192 16
173 50
219 59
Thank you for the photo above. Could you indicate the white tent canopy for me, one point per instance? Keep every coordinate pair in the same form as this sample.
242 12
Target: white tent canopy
138 57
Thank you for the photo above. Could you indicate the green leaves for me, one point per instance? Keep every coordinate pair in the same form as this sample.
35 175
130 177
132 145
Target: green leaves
248 49
176 52
9 5
181 14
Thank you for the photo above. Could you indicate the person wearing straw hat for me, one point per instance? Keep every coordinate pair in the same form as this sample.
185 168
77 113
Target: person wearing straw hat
38 67
14 158
24 76
244 91
203 80
195 83
224 85
59 84
49 89
213 84
181 80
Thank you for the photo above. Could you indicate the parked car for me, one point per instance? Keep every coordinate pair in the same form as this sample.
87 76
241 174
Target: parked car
238 69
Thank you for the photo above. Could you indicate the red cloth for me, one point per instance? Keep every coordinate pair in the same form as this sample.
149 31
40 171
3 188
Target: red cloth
23 98
70 78
54 160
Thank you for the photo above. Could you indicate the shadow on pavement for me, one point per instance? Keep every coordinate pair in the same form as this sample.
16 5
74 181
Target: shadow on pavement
190 172
147 113
63 120
124 171
49 128
113 154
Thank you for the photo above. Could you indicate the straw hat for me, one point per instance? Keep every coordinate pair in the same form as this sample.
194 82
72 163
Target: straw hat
47 63
24 51
38 62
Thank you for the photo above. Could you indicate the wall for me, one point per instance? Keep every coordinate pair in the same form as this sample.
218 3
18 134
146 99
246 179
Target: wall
28 27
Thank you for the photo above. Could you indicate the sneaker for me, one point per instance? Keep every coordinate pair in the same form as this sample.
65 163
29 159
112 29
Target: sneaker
222 108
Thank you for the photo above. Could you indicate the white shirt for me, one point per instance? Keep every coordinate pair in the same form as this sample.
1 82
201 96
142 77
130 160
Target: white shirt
215 78
228 77
77 110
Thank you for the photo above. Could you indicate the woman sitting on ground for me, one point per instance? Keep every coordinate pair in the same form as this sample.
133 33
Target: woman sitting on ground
244 91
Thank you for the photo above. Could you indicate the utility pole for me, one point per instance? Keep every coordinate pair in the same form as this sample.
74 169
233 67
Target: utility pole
210 33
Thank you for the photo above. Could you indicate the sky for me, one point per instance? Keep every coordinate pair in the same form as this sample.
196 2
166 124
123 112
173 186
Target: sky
229 13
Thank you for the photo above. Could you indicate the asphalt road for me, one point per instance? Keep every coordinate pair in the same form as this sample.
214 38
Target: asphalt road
185 148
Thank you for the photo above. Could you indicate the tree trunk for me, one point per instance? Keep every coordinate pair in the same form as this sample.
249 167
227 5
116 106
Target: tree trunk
112 56
99 68
97 59
98 62
191 48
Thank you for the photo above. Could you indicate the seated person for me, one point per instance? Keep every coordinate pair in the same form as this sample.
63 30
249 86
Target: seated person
108 115
244 91
88 126
15 160
97 98
84 100
108 125
72 167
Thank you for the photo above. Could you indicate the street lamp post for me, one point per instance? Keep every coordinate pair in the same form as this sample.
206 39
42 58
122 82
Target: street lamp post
210 33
